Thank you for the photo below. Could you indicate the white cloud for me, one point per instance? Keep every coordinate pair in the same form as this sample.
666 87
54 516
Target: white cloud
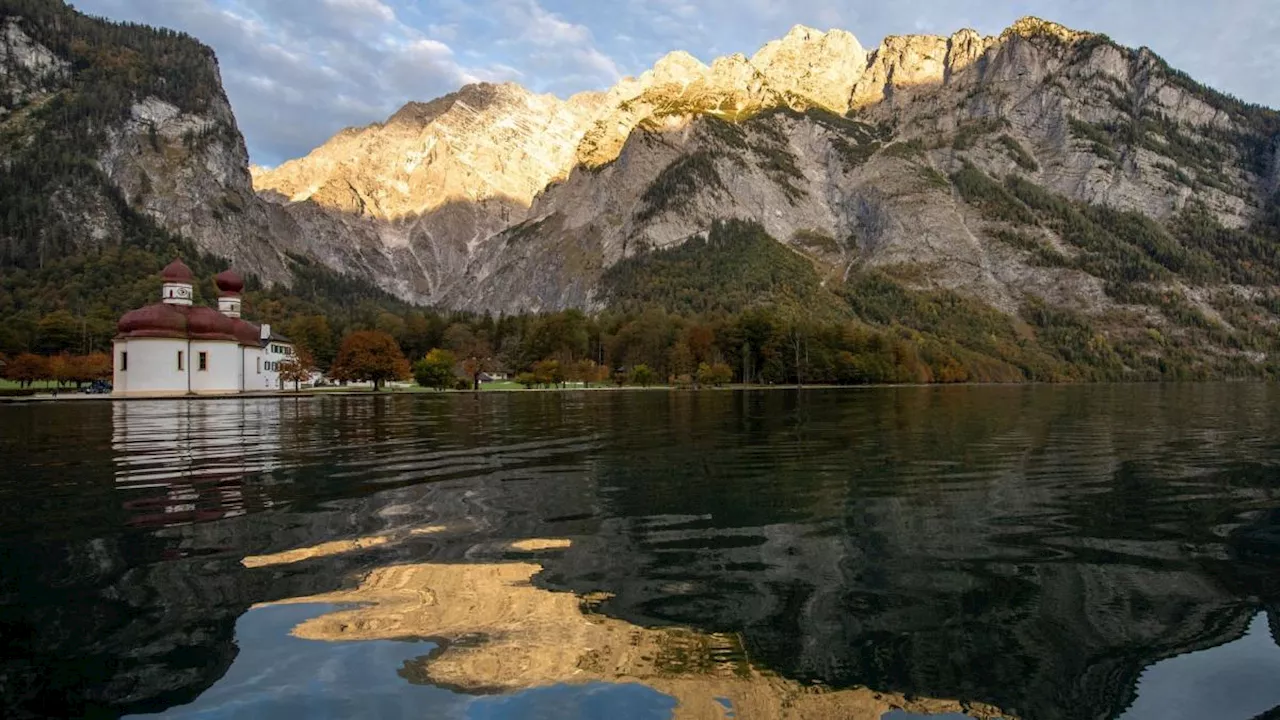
374 10
299 70
446 32
553 53
536 25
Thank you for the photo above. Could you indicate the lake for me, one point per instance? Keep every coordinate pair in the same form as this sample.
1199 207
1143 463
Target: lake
960 552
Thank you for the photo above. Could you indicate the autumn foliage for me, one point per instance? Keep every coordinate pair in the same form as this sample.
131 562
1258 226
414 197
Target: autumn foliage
370 356
296 368
437 370
28 368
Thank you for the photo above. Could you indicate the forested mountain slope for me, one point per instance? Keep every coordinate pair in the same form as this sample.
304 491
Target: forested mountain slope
118 152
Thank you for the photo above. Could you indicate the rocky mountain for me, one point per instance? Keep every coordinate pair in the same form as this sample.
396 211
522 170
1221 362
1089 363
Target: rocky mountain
101 121
420 192
118 151
1042 164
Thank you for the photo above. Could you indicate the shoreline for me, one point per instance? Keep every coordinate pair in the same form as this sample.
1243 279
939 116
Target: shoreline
74 397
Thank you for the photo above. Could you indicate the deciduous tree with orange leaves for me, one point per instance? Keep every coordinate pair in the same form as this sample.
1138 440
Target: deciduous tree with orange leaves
297 367
87 368
370 356
26 369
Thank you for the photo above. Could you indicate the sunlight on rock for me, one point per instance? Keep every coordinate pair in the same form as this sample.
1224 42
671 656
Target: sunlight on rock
428 530
535 544
499 633
336 547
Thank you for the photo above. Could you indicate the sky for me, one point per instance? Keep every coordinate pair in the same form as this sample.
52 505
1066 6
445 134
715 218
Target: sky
298 71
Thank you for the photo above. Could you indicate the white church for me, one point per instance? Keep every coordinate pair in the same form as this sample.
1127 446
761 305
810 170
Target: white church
173 348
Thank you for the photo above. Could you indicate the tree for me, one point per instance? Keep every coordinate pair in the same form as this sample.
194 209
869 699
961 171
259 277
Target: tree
587 371
563 336
715 374
61 369
680 359
548 372
527 379
642 375
58 332
87 368
436 370
26 369
297 367
473 349
313 333
10 342
475 365
370 356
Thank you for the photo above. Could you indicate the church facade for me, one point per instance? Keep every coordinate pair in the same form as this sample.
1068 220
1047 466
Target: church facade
175 348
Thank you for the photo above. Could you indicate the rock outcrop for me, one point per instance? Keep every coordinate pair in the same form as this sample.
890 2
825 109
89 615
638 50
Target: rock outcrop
26 67
98 123
189 172
496 199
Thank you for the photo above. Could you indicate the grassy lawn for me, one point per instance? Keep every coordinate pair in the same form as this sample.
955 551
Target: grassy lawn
38 385
498 386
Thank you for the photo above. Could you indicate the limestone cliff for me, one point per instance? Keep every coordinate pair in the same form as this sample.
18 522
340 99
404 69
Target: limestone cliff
496 199
418 192
117 135
1043 165
1066 112
27 68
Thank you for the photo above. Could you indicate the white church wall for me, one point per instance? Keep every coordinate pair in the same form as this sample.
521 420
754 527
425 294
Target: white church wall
153 367
222 367
256 378
119 377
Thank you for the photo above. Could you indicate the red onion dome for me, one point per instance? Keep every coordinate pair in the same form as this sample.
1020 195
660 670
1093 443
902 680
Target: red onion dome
160 320
229 282
247 333
177 271
208 324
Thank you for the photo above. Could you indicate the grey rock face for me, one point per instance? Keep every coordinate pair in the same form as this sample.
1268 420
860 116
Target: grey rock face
27 68
187 172
496 199
190 174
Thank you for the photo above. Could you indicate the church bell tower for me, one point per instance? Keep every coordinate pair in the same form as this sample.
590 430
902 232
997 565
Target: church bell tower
177 286
230 285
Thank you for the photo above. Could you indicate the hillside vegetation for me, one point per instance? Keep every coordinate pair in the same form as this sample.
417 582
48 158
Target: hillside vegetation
51 141
736 266
63 285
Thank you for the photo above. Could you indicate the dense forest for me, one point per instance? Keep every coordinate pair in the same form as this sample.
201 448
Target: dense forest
736 299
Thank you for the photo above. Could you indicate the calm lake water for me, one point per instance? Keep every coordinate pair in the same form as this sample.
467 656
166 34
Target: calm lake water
965 552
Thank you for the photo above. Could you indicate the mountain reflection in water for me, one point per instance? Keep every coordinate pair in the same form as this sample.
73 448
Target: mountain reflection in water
1027 549
497 633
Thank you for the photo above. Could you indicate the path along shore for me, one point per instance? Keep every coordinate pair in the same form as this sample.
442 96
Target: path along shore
73 396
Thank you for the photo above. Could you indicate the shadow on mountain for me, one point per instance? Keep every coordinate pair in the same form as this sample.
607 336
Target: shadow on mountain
417 256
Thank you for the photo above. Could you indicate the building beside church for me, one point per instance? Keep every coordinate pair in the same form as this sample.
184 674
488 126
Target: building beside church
177 348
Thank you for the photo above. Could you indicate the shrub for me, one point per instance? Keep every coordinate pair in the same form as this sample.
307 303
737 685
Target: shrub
715 375
1018 153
